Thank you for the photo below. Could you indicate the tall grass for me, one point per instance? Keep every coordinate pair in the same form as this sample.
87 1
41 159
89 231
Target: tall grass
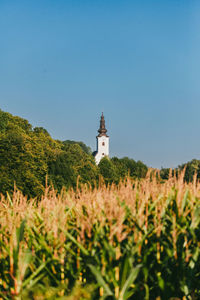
137 240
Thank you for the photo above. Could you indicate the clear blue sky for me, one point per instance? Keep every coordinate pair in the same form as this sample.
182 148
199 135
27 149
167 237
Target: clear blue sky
64 62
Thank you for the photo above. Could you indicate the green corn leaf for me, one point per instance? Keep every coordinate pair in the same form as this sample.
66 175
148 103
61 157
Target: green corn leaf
153 205
23 263
167 203
147 291
100 280
130 293
109 249
4 297
19 236
76 243
9 200
32 277
20 232
194 258
184 202
124 270
34 281
133 275
196 219
161 282
185 290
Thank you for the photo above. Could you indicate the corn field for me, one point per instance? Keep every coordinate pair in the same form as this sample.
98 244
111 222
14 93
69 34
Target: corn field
137 240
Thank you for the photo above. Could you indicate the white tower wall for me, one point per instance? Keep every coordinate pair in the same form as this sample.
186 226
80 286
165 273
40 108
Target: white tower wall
102 148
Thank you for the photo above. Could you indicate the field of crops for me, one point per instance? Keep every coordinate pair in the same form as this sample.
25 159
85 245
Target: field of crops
137 240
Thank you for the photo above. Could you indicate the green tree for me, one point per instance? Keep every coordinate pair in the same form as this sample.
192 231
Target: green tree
120 166
126 166
24 155
191 168
108 170
83 146
28 154
71 164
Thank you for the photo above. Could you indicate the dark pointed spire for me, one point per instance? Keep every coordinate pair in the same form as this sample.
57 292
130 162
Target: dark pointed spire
102 130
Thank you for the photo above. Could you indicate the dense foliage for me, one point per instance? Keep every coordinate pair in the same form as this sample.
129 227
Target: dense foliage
115 169
28 155
137 240
192 169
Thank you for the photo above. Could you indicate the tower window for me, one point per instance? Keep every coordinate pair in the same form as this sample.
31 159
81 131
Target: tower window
103 144
103 154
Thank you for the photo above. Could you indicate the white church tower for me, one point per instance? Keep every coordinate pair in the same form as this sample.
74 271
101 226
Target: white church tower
102 142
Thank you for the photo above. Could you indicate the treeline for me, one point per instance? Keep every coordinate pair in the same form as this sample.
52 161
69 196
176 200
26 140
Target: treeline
191 168
30 155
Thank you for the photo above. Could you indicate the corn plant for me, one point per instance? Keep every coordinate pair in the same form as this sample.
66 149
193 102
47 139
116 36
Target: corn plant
137 240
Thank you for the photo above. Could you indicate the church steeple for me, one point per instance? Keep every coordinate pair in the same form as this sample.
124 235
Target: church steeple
102 142
102 129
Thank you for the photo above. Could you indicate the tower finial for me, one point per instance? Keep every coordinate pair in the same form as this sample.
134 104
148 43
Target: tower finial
102 130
